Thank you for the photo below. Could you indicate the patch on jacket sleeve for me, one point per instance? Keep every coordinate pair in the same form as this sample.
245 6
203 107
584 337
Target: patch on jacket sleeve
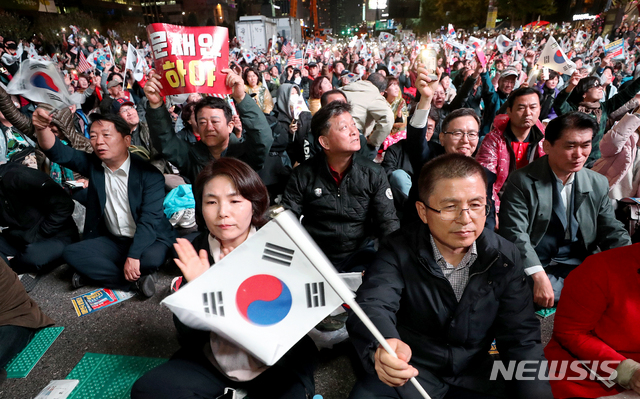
318 192
389 194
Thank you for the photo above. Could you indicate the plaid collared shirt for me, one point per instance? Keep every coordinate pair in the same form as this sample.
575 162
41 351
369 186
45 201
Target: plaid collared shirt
458 276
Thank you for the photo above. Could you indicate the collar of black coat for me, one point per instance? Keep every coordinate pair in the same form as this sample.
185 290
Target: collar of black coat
541 172
488 244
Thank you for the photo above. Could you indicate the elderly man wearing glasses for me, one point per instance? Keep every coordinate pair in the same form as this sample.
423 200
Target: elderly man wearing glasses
439 291
459 135
515 139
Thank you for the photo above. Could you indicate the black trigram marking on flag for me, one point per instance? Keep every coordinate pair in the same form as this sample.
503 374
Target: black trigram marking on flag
277 254
213 304
546 59
315 295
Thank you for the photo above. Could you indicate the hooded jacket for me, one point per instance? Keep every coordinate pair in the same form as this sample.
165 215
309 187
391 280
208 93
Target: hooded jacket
370 110
301 144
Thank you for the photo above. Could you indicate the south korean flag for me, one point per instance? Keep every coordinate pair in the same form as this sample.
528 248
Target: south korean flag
264 296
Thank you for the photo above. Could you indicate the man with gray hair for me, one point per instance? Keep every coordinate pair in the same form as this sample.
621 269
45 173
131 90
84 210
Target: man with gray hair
370 110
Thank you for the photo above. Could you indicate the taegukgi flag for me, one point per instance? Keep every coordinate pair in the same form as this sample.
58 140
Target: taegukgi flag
385 36
503 43
264 296
40 82
554 58
476 43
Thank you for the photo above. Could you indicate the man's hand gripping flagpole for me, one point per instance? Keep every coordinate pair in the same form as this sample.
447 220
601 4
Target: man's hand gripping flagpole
299 235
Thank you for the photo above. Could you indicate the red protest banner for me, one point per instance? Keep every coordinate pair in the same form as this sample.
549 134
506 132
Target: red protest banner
190 59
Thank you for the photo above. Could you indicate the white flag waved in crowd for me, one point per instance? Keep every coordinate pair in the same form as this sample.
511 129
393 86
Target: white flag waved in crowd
554 58
40 82
264 296
503 43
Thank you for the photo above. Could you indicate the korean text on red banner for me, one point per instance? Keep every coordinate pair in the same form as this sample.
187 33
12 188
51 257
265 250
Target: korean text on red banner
190 59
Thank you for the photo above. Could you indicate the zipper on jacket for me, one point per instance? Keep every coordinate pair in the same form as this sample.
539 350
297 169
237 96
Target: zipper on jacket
422 261
488 267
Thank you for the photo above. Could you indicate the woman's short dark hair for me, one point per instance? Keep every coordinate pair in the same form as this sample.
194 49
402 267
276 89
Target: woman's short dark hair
314 91
519 92
572 120
120 124
214 103
459 113
246 73
447 166
246 181
321 121
553 74
577 95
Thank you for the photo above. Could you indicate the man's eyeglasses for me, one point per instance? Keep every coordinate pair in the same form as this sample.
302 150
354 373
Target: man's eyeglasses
125 110
453 212
457 134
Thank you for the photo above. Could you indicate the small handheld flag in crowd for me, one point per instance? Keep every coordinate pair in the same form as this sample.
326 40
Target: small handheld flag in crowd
83 64
504 44
554 58
40 81
295 59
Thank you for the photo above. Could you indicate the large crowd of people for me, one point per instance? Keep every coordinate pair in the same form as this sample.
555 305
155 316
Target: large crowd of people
469 196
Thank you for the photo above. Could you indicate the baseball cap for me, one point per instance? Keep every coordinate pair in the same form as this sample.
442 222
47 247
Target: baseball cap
119 103
312 64
509 72
113 83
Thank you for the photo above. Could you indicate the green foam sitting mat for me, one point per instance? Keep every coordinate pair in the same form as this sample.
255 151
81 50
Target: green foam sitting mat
109 376
546 312
22 364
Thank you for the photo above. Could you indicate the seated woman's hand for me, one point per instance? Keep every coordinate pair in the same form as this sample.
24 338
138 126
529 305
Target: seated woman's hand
192 264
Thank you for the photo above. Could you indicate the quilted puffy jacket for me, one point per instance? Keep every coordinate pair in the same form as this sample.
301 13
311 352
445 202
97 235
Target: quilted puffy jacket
497 156
341 218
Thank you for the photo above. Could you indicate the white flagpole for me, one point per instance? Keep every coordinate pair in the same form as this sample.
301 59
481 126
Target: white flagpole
287 221
124 78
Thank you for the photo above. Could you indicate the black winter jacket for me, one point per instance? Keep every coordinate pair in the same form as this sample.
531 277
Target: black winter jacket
396 157
33 206
406 296
341 218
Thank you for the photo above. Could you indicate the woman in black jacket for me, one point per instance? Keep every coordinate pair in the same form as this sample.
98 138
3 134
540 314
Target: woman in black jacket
232 202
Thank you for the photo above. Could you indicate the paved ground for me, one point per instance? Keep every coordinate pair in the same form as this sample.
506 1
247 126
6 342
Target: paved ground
139 327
